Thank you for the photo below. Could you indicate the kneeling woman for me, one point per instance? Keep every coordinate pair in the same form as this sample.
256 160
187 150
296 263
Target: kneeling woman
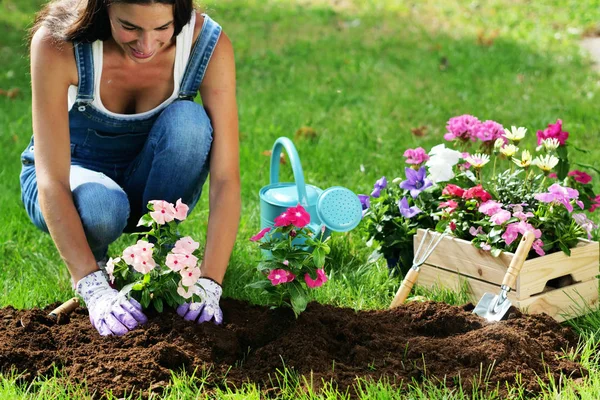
115 126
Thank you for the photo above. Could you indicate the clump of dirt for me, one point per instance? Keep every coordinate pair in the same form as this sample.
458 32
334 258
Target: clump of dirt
407 344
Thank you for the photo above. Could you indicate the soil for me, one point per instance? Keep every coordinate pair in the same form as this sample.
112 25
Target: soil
404 345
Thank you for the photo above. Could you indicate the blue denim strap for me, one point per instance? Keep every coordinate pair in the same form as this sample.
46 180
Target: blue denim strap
199 58
85 71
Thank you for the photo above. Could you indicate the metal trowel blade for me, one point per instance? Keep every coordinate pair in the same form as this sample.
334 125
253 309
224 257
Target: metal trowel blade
489 308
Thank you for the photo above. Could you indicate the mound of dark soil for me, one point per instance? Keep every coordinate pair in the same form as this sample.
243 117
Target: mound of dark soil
408 344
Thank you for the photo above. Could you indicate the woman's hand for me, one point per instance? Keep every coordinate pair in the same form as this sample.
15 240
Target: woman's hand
110 312
208 308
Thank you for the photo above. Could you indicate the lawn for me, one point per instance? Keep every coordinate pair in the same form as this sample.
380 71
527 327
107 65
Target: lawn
362 74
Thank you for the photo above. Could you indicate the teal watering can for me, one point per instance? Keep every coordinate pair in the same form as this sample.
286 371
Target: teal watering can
335 209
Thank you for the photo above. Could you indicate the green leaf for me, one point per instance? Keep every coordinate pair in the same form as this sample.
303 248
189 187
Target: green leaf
138 286
587 166
298 298
319 257
145 301
496 252
562 169
146 220
262 284
564 248
158 304
146 278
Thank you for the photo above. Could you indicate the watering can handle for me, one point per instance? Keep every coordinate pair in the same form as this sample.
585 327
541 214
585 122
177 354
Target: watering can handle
286 143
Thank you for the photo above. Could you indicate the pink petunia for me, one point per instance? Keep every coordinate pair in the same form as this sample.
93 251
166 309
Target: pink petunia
453 190
416 156
477 192
513 230
313 283
260 234
185 245
500 217
163 211
189 276
175 261
279 276
181 210
299 216
558 194
538 247
580 176
553 131
448 206
284 219
490 207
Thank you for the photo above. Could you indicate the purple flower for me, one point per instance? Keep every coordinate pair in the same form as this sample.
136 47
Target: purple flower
376 192
406 210
380 184
558 194
365 201
415 181
463 127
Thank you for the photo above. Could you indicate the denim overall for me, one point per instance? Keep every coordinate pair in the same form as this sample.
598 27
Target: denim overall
119 163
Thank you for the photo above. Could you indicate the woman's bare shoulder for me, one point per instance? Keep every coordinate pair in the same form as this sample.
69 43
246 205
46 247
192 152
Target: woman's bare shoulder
56 55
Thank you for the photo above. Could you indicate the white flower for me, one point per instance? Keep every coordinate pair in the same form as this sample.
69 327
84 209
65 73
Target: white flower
525 160
551 144
515 134
498 144
545 163
478 160
509 150
397 181
440 163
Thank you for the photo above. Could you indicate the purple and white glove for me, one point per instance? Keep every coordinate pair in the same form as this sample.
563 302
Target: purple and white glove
208 308
111 313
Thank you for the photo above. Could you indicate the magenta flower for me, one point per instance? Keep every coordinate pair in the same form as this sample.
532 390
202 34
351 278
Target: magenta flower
313 283
284 219
538 247
489 131
260 235
299 217
580 176
596 203
490 207
278 276
500 217
406 210
416 156
463 127
553 131
415 181
558 194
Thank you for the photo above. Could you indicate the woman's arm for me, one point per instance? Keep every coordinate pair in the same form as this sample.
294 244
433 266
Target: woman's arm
53 69
218 96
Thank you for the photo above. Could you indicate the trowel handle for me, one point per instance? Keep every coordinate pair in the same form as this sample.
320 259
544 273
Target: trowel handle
292 153
510 279
66 308
405 287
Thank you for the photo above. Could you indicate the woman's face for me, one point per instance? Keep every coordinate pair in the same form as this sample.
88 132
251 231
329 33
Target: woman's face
141 30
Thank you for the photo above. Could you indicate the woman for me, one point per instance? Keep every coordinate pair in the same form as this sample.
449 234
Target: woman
115 126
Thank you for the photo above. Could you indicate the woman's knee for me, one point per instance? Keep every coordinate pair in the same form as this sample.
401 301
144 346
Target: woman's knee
185 129
103 211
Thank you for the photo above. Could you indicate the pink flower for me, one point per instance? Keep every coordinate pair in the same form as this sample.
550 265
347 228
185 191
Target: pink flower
110 268
299 216
490 207
279 276
452 226
144 266
523 216
516 228
416 156
558 194
185 245
189 260
286 262
284 219
463 127
181 210
583 221
475 232
185 293
453 190
596 203
175 261
163 211
141 251
553 175
260 234
580 176
538 247
489 131
553 131
449 206
189 276
500 217
144 249
485 247
313 283
477 192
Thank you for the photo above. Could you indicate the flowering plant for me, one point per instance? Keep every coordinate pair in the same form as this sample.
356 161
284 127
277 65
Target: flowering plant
161 267
295 259
489 196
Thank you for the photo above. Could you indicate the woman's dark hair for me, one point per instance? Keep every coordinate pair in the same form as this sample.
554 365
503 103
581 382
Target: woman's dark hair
87 20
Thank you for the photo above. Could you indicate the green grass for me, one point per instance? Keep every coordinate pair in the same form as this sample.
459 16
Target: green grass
361 73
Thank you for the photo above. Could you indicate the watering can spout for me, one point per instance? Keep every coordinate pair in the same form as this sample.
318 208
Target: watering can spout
337 208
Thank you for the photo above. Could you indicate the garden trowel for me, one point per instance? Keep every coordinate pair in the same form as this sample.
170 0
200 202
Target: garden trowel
493 307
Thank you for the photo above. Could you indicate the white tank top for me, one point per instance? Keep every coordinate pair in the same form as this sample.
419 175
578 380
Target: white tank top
183 48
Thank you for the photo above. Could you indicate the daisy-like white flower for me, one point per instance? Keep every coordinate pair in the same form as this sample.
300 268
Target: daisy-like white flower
515 134
509 150
498 144
478 160
545 163
551 144
525 160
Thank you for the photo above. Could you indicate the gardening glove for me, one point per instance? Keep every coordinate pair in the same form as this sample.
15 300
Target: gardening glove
111 313
208 308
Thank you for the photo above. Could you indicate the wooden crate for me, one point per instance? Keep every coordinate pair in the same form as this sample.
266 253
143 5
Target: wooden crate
561 286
